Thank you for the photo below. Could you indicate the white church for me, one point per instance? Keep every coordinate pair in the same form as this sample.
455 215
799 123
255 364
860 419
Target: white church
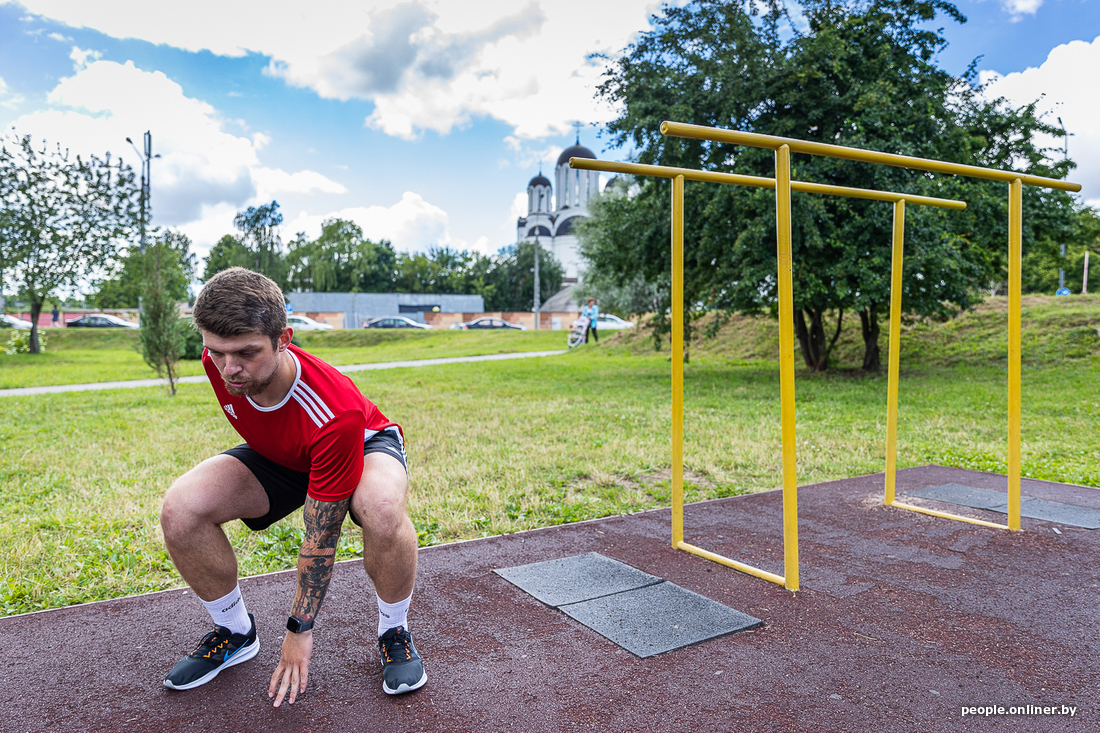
551 220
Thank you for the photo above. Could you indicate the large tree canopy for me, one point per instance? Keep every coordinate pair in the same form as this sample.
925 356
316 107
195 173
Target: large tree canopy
341 261
61 218
123 288
863 75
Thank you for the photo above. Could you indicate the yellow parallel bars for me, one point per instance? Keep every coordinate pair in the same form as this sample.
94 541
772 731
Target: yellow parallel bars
1016 182
677 347
783 185
786 363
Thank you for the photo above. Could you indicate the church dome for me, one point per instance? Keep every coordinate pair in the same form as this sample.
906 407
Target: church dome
539 180
576 151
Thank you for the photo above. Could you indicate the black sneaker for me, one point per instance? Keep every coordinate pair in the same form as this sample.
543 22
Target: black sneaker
218 649
402 670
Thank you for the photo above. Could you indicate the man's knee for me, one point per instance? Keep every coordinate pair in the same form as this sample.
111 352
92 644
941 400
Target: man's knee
182 505
218 490
379 501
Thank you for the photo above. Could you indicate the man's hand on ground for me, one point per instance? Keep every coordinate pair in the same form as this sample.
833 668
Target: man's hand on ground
293 670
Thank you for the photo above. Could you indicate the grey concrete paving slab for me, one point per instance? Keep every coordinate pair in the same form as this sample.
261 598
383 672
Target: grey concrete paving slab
576 578
658 618
964 496
1052 511
997 501
950 615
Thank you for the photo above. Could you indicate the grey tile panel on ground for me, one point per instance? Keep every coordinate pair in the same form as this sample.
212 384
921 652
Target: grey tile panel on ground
962 495
1052 511
577 578
658 618
997 501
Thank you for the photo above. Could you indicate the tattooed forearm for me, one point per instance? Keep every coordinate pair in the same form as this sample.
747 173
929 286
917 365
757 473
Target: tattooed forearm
323 520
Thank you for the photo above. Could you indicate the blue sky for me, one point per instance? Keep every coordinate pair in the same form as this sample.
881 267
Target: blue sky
422 120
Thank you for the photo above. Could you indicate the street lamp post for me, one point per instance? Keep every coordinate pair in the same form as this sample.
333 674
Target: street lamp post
536 308
1062 263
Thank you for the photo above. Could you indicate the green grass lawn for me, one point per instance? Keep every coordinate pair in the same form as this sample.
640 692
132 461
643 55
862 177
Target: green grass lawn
77 356
501 447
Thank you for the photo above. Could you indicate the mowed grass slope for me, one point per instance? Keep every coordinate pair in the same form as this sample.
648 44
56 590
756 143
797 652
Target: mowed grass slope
1054 329
500 447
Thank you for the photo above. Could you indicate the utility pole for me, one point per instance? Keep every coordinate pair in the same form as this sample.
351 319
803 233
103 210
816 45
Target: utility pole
146 180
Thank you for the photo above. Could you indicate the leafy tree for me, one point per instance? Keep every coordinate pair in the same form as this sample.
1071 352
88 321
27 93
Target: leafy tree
442 270
228 252
161 328
61 217
259 237
512 278
341 261
1044 259
863 76
123 288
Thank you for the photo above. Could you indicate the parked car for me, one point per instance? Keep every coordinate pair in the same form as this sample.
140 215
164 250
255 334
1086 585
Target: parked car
100 320
302 323
608 322
7 321
396 322
489 322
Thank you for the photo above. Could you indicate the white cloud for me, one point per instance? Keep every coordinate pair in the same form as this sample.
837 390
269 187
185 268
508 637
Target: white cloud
425 64
1020 8
272 181
8 98
519 209
1058 82
412 224
202 166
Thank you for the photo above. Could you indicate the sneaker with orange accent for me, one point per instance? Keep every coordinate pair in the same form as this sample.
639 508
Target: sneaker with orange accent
218 649
402 670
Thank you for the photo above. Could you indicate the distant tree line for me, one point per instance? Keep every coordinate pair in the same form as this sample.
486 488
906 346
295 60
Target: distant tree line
863 74
342 260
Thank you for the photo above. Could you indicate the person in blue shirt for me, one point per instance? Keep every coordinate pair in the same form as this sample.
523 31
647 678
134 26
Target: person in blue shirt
592 313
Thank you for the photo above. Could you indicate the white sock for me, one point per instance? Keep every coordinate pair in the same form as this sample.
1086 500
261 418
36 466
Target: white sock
229 611
392 615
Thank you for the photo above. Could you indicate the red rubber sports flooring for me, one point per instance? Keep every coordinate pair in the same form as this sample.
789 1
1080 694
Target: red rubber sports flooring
901 622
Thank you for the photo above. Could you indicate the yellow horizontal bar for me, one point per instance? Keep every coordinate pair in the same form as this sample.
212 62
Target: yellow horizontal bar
947 515
737 137
777 579
736 179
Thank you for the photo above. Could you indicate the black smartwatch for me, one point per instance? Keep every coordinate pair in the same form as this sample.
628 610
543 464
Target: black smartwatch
297 625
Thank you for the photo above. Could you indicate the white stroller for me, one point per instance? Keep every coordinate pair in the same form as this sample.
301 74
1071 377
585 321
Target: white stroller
577 331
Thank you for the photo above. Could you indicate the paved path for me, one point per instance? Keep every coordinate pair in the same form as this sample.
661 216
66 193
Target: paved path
130 384
903 619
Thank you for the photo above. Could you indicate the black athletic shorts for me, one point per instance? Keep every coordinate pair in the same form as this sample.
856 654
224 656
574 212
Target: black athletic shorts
286 489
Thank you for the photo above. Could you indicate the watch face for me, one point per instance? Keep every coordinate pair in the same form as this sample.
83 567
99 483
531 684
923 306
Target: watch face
297 626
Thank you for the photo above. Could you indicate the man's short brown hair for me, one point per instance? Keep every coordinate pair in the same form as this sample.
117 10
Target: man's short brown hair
238 301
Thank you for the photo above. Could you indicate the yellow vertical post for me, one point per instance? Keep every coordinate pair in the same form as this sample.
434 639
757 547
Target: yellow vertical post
677 360
1015 265
897 253
786 364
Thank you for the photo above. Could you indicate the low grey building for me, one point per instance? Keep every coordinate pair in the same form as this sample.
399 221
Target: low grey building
360 307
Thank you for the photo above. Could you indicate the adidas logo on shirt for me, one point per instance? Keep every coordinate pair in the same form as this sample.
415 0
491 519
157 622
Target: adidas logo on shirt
229 409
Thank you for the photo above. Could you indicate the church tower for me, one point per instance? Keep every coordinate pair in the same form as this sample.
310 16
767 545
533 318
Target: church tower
575 189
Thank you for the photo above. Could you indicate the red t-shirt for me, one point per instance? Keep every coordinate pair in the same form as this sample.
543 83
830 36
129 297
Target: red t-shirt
319 427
